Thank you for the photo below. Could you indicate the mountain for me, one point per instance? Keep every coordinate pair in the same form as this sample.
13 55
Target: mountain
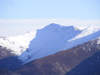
63 62
54 38
48 40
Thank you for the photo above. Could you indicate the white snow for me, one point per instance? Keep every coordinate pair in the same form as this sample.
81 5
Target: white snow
18 44
87 31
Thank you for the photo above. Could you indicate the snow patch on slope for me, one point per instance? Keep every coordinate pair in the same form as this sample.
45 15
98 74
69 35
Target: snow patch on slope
87 31
18 44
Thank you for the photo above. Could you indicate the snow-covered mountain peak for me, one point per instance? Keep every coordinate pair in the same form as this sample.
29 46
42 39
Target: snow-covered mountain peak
49 40
54 37
54 25
57 27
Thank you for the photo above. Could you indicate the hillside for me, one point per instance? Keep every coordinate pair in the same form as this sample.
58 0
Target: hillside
61 62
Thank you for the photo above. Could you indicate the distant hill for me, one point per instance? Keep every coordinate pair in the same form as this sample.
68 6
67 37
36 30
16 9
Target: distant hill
61 62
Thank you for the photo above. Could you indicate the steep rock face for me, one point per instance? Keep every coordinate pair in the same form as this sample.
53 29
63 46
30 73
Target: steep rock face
54 38
61 62
49 40
90 66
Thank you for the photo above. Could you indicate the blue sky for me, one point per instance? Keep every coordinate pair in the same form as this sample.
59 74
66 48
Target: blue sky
28 9
20 16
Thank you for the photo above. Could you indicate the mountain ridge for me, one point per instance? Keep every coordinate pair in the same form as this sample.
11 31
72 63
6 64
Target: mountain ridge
59 63
56 37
